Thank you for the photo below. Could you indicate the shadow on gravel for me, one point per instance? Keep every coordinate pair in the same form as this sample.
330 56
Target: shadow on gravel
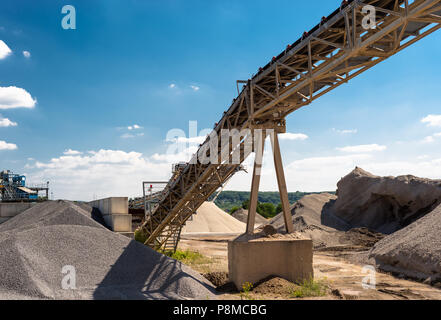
139 274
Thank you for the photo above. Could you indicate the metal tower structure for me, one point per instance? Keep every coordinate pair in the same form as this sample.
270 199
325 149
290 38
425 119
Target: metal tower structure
13 188
336 50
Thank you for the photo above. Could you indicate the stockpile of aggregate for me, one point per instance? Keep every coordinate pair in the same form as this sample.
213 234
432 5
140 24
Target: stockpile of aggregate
242 215
307 219
210 219
384 204
414 251
36 245
313 218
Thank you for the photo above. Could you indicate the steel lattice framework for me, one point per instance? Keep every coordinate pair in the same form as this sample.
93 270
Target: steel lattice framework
332 53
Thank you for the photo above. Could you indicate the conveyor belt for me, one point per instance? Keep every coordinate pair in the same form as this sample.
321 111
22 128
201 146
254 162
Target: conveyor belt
333 52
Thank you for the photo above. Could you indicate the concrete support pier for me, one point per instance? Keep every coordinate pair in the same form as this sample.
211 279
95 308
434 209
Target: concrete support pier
255 260
115 212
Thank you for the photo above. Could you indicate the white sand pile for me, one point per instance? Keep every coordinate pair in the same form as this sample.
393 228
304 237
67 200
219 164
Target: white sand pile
242 215
414 251
37 244
385 204
211 219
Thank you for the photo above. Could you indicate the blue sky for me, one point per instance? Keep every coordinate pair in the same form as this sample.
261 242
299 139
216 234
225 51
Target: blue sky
107 93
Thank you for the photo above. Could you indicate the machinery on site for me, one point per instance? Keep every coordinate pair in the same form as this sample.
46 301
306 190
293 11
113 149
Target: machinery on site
341 47
13 188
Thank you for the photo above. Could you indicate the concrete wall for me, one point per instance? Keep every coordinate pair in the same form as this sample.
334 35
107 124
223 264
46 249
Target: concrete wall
112 205
252 261
10 210
115 212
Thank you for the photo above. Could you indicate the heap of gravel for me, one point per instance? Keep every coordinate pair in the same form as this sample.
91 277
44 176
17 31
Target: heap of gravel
384 204
414 251
313 218
210 219
242 215
306 213
307 219
37 244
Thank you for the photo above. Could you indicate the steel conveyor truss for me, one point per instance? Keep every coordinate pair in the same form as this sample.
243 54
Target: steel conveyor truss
332 53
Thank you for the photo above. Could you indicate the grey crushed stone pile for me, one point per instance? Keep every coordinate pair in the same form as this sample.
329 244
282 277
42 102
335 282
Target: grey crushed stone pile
384 204
414 251
37 244
307 212
308 218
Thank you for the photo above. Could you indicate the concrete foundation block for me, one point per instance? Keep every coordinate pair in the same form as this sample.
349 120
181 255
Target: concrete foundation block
14 208
119 222
255 260
115 205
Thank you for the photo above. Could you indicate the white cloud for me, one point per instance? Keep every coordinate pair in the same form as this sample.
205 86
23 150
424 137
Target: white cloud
432 120
428 139
172 86
432 138
4 50
323 173
4 122
179 155
26 54
131 136
309 174
293 136
351 131
7 146
193 140
127 136
195 88
106 173
363 148
13 97
70 152
103 173
134 127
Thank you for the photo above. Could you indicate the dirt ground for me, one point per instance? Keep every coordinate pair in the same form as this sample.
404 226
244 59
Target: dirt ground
343 279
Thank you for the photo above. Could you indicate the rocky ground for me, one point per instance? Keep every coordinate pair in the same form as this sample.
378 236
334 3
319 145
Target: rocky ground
54 239
342 279
391 224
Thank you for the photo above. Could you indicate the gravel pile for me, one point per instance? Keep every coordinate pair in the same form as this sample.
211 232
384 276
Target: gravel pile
210 219
37 244
414 251
307 213
313 218
307 219
384 204
242 215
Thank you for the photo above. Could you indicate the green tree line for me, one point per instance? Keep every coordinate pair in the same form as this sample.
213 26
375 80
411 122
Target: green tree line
268 206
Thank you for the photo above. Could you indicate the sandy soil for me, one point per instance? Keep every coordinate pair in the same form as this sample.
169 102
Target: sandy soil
212 219
343 278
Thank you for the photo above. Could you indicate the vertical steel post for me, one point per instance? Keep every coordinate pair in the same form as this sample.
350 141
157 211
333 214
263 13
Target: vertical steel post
260 146
282 183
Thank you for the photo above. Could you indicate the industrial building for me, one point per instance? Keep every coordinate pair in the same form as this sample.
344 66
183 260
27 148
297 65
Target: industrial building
13 188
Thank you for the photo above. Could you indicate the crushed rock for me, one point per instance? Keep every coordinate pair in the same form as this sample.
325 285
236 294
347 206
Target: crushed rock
36 245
